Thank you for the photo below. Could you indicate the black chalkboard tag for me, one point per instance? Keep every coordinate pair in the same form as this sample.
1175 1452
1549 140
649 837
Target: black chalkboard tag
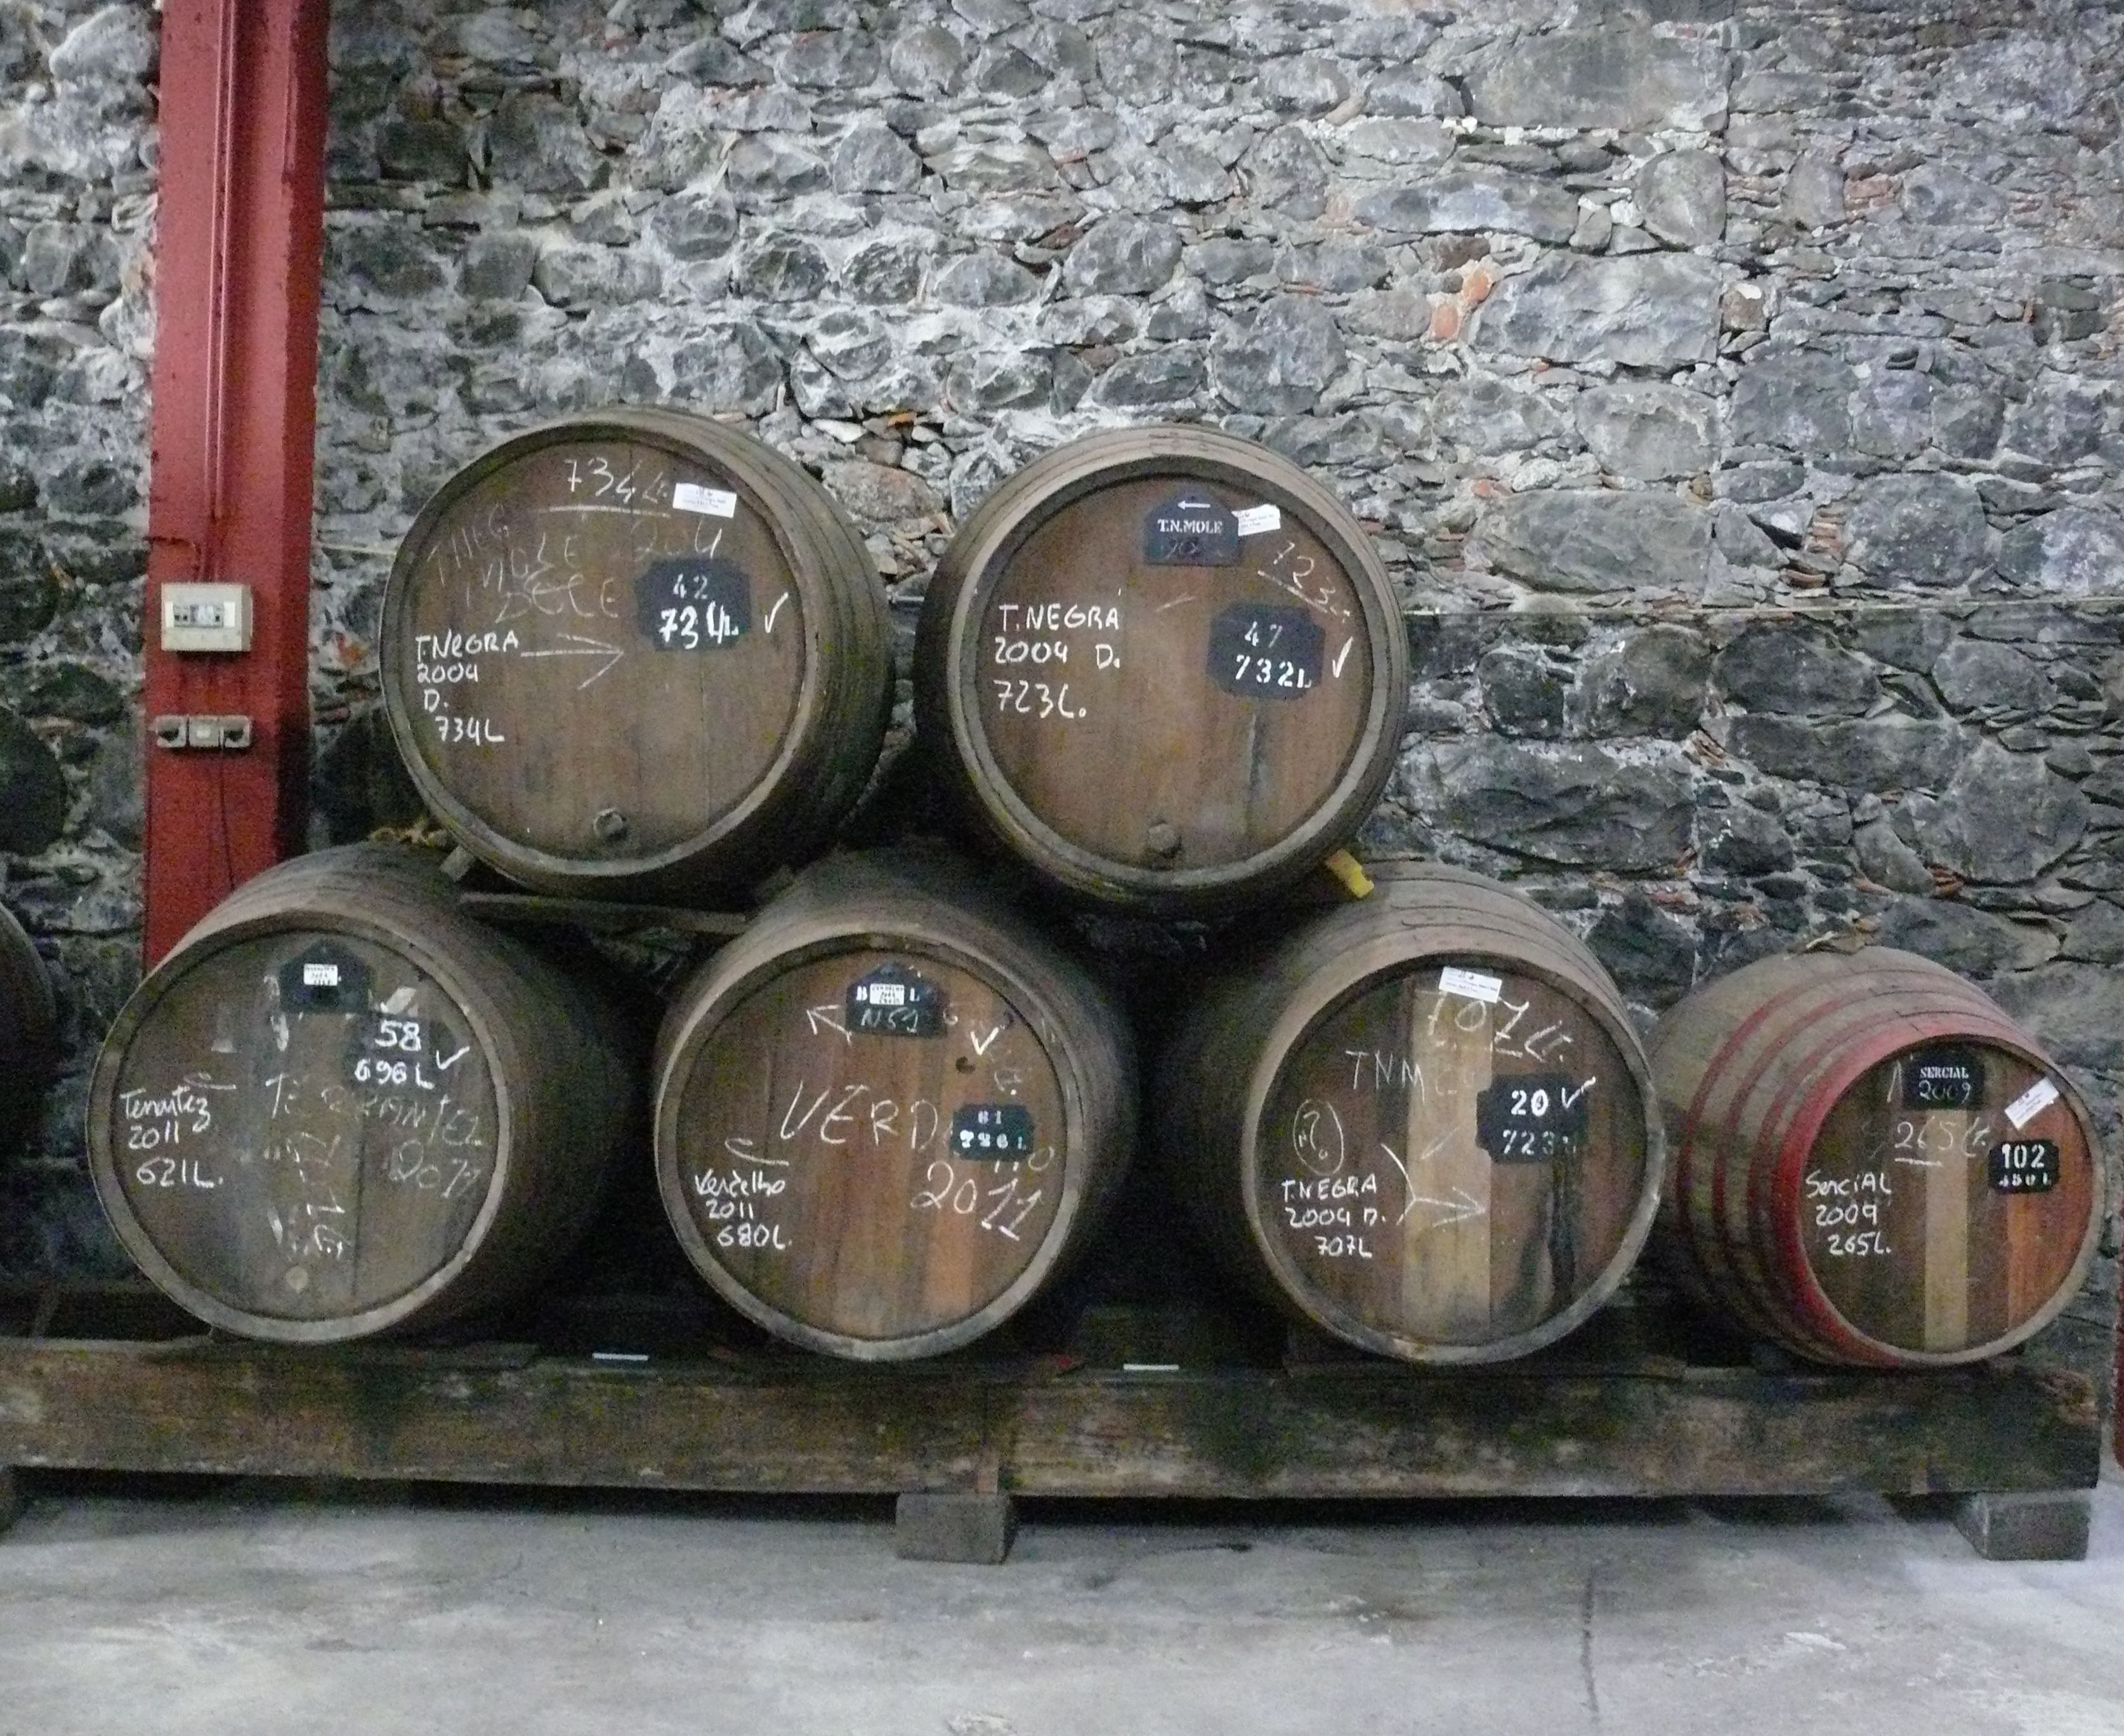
1193 529
696 604
324 978
2024 1166
1001 1132
1531 1118
893 1001
1945 1076
1264 650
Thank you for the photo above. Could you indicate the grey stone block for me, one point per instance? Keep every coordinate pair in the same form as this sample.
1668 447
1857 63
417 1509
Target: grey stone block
974 1529
2047 1526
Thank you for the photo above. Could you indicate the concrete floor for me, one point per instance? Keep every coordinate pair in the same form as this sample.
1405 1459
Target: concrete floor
233 1608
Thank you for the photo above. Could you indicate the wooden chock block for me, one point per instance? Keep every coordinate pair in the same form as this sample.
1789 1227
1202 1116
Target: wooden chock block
2046 1525
976 1529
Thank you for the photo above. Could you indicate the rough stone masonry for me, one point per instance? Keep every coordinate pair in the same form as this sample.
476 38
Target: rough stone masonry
1734 388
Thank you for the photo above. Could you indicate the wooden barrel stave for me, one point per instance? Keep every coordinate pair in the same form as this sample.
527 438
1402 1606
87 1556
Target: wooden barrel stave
811 1169
414 1135
640 763
1779 1082
1551 1237
1161 787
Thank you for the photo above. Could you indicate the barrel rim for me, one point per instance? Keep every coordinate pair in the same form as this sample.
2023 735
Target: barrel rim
1808 1295
111 1059
682 1046
484 837
1339 980
994 535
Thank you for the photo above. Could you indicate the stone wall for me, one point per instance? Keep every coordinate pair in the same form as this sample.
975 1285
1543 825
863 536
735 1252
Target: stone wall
76 208
1734 390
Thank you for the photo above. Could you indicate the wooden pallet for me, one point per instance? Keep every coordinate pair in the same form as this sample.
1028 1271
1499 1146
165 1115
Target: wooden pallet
1140 1403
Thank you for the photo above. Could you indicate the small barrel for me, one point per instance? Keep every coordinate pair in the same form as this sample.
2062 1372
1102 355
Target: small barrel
888 1111
1165 668
1871 1163
1422 1122
340 1108
29 1022
635 654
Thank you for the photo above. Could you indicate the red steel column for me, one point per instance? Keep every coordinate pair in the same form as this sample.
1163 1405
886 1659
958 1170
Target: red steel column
239 254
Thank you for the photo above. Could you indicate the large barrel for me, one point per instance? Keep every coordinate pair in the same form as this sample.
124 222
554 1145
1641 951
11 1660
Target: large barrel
339 1107
888 1111
1871 1163
636 653
28 1025
1165 668
1422 1122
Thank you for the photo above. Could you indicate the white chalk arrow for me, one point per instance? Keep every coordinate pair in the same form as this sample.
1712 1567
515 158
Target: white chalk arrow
828 1016
1460 1209
580 646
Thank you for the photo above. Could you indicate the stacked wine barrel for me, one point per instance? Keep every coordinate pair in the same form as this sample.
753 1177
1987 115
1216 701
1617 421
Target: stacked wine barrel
1871 1163
1422 1122
1160 673
1165 668
888 1112
635 654
340 1107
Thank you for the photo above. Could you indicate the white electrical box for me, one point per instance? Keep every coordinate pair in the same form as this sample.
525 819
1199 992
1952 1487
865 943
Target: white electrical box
206 618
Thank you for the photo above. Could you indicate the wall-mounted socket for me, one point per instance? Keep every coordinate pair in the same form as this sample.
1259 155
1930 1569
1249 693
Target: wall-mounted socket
224 735
210 617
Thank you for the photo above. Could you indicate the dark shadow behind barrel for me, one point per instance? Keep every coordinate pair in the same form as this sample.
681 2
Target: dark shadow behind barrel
29 1027
1165 668
341 1107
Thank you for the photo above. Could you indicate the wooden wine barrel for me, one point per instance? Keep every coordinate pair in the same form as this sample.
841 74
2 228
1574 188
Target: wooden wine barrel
339 1107
1871 1163
635 654
1422 1122
1165 668
29 1024
888 1111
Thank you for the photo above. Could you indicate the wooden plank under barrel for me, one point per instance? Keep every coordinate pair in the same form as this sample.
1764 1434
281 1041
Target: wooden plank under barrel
1165 668
1421 1122
340 1108
635 654
1871 1163
888 1112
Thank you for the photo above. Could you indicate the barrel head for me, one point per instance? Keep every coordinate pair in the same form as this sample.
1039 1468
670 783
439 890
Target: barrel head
869 1151
1945 1202
1170 713
296 1133
596 648
1453 1157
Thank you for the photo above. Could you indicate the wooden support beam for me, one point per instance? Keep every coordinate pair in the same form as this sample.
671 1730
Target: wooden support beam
238 263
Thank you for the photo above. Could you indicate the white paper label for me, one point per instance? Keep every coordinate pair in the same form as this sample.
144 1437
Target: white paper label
1470 984
2031 1103
1251 521
326 977
717 503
